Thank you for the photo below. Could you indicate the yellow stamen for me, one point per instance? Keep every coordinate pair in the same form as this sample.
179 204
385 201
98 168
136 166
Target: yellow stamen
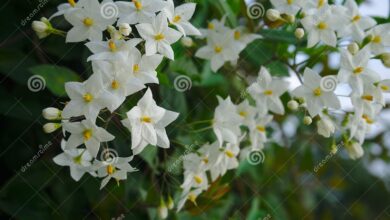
210 26
206 160
290 2
176 19
268 92
198 179
377 39
260 128
368 119
87 97
146 119
88 22
369 98
237 35
110 169
218 49
87 134
192 197
384 88
321 3
356 18
114 84
322 26
358 70
137 5
243 114
229 153
112 45
72 3
77 160
159 37
317 92
135 68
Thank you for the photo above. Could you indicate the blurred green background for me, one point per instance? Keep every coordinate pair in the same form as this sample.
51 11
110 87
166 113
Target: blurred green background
285 186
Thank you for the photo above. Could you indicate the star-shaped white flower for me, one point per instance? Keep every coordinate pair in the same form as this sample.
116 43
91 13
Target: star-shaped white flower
380 38
158 36
147 123
241 38
111 49
86 132
366 103
138 11
227 160
267 91
116 168
180 17
287 6
87 98
247 112
258 133
315 96
88 22
325 126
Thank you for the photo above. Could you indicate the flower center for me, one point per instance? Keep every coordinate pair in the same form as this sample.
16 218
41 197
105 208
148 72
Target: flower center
77 160
205 160
198 179
191 197
377 39
137 5
72 3
237 35
135 68
358 70
110 169
317 92
369 98
112 45
321 3
87 134
218 49
176 19
384 88
260 128
88 22
268 92
243 114
368 119
146 119
290 2
356 18
114 84
229 153
322 25
88 97
159 37
210 26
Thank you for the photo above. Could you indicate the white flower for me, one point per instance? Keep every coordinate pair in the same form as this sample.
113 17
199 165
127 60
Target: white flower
379 38
266 91
111 49
287 6
382 87
247 112
321 26
125 29
258 135
143 66
87 98
354 70
313 93
359 126
158 36
325 126
86 132
365 103
241 38
227 160
117 168
180 17
227 121
219 49
194 179
147 123
88 22
51 113
65 8
138 11
78 160
215 26
357 23
191 195
355 150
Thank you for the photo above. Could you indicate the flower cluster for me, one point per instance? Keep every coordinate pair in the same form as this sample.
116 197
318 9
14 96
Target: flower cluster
119 70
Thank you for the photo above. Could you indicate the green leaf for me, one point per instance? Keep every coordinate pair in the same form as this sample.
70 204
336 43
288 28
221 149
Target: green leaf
149 154
278 68
279 35
55 77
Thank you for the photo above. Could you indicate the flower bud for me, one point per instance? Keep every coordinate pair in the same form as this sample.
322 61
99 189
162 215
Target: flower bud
162 210
170 203
187 41
114 33
51 127
125 29
299 33
325 127
273 15
307 120
354 150
353 48
289 18
293 105
51 113
41 28
385 57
